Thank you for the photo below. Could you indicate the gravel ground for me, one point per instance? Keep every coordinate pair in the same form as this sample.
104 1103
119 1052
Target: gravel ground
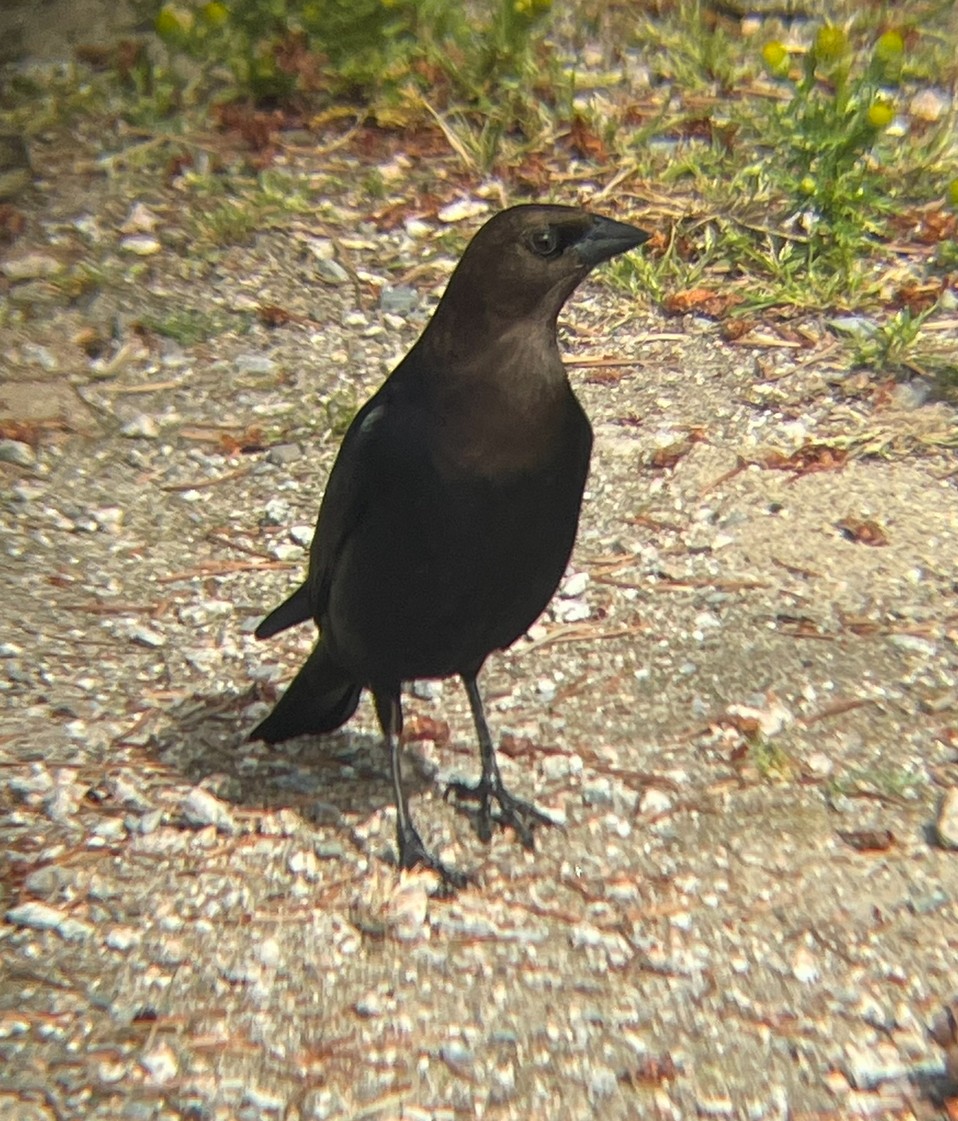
741 707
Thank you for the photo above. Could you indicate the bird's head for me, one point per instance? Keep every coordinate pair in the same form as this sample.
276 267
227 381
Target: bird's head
526 261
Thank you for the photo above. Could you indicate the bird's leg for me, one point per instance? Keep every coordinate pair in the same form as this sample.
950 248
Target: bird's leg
521 816
412 850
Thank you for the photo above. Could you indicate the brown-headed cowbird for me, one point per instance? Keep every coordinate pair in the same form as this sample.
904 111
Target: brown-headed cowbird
452 507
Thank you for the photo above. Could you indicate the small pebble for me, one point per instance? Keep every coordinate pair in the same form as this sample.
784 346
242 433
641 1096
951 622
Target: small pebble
33 266
281 455
47 881
141 244
804 966
305 864
140 220
332 272
202 808
160 1063
141 426
462 209
17 453
417 228
655 802
39 916
284 551
254 364
123 938
946 825
399 300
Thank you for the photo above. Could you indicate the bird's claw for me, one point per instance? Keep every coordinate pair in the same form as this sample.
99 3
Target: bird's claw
522 817
414 854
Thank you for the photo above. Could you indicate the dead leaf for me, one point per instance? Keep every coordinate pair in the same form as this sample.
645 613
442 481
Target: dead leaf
420 728
518 747
270 315
12 223
585 142
868 840
918 297
653 1070
247 441
663 459
735 329
704 301
807 460
864 532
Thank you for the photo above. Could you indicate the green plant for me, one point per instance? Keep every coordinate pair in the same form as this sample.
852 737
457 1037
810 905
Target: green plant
888 347
823 145
377 50
188 326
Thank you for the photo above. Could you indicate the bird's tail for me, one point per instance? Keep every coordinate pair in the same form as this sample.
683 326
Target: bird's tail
322 696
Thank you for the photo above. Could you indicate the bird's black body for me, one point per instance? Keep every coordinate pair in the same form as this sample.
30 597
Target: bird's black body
452 508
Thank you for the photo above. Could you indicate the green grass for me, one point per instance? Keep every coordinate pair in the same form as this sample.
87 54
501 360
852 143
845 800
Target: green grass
894 784
189 326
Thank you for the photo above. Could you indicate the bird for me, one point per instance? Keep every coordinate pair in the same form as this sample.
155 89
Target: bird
452 507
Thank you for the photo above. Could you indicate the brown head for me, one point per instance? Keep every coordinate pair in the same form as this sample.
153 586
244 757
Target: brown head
526 261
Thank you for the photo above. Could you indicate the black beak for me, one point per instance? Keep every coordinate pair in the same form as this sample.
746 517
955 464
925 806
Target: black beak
607 239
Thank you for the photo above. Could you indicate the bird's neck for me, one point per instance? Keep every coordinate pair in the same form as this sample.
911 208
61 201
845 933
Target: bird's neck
499 397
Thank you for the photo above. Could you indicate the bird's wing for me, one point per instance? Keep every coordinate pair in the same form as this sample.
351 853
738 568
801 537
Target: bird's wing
351 483
340 512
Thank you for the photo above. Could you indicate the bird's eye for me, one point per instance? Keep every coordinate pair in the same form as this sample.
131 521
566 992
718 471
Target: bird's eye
544 242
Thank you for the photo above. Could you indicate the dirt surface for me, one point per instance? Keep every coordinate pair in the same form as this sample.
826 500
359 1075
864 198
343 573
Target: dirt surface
741 709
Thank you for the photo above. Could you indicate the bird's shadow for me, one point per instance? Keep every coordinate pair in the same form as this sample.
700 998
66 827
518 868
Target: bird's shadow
322 777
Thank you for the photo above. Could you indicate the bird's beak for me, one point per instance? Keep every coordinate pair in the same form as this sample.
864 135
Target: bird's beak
607 239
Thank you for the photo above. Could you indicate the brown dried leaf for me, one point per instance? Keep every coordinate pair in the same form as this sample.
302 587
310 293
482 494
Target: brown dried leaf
534 173
868 840
247 441
12 223
23 432
748 726
517 747
254 126
653 1070
293 56
799 626
420 728
704 301
936 226
865 532
663 459
90 341
735 329
270 315
808 459
586 143
918 297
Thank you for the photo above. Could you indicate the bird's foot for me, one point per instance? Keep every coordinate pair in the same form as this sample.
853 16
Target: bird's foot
522 817
414 854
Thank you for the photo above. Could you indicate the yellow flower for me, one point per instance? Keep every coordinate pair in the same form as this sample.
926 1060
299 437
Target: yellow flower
880 114
215 13
831 43
807 185
775 57
889 47
172 22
